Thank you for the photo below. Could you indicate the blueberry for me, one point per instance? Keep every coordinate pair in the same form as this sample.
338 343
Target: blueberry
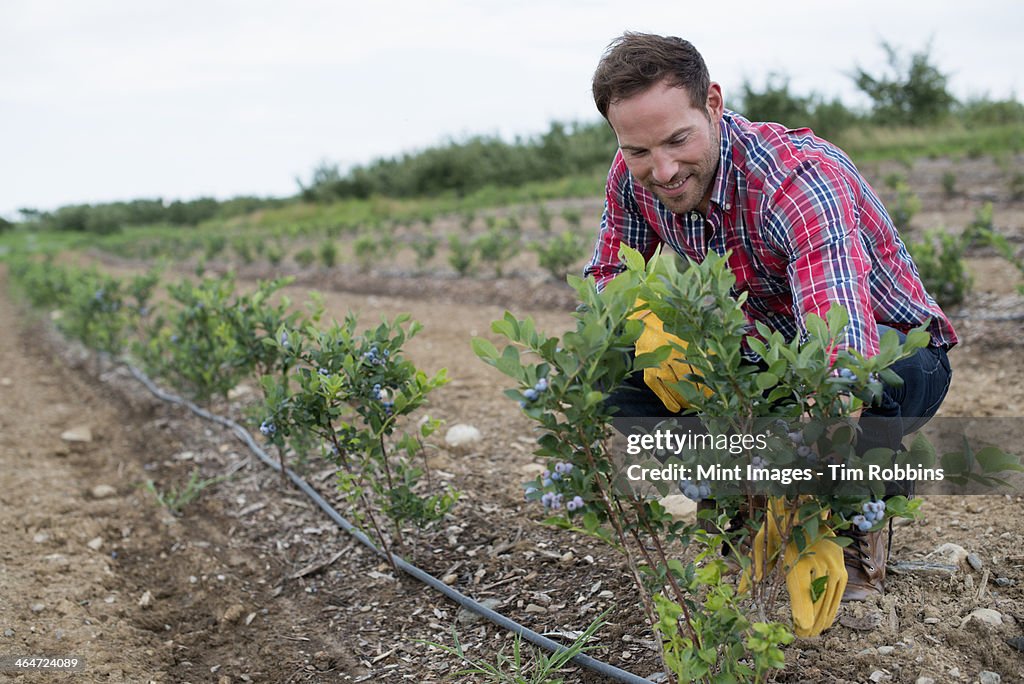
804 451
284 340
267 428
864 525
556 475
541 385
323 371
848 374
530 394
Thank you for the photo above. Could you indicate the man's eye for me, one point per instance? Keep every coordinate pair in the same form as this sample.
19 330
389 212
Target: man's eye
637 153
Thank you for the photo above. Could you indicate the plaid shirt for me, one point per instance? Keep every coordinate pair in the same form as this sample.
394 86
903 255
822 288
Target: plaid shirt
805 229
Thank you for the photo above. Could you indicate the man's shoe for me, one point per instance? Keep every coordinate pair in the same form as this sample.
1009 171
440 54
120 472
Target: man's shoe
865 561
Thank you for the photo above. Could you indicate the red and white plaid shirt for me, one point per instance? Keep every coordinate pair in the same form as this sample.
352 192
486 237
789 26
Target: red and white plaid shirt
805 229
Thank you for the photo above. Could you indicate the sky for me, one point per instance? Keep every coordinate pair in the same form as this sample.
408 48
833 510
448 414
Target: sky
107 100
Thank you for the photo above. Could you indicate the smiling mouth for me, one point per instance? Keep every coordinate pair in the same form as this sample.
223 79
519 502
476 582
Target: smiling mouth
673 186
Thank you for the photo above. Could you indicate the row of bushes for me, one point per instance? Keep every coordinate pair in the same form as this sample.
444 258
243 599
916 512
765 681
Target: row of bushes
326 386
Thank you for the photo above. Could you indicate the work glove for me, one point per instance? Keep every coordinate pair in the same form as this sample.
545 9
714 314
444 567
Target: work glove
814 602
674 369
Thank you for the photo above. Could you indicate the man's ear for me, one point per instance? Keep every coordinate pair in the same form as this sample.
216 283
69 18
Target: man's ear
715 104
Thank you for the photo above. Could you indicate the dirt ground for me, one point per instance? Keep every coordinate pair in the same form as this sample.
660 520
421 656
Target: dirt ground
251 583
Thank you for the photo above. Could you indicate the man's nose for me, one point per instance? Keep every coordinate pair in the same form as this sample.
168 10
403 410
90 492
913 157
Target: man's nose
664 167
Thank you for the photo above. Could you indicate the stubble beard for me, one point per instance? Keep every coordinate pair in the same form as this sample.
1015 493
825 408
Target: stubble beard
701 179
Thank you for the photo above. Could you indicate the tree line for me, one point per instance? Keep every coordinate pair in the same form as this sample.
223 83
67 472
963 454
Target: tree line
911 92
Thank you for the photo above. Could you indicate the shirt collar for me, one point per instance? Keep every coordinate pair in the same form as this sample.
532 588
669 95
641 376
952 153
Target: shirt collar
725 184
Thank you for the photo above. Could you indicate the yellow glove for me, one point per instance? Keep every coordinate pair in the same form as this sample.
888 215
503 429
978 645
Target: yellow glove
672 370
814 606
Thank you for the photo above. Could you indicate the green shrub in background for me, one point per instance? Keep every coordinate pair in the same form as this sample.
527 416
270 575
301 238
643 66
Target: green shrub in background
905 205
328 253
304 257
558 253
425 248
367 251
497 246
940 263
461 255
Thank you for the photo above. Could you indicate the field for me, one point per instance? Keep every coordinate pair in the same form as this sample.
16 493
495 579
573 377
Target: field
252 583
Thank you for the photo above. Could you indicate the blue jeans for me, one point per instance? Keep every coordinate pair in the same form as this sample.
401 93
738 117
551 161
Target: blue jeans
906 408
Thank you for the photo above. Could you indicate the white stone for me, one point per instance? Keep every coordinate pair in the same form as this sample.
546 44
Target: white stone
680 507
951 553
82 433
986 615
462 435
989 677
95 544
102 491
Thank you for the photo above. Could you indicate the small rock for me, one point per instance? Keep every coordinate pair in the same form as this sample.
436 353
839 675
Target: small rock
974 561
95 544
6 382
680 507
81 433
468 617
862 623
239 391
450 579
950 553
886 650
102 491
8 632
233 614
923 568
931 621
1017 643
40 537
1004 582
924 680
146 599
879 676
989 677
37 607
462 435
534 608
986 615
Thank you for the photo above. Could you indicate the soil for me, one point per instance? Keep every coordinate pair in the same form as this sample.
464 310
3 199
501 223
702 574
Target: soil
251 583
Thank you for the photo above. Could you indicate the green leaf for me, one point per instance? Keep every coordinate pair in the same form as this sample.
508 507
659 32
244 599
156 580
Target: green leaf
484 349
994 460
818 587
766 380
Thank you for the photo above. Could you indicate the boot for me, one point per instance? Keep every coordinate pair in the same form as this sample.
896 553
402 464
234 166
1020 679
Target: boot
865 561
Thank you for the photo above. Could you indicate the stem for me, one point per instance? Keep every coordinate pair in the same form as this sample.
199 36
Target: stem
630 562
391 484
343 456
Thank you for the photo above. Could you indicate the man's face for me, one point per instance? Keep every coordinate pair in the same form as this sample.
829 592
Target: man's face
670 147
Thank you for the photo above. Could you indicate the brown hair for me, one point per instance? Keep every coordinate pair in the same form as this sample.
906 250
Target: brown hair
636 61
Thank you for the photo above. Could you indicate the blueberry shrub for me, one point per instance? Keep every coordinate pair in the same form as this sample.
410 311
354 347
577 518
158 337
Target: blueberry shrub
797 387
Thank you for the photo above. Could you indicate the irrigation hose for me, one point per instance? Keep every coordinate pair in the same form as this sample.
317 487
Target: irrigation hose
580 659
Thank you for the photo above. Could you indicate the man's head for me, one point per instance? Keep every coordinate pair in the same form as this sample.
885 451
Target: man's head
656 94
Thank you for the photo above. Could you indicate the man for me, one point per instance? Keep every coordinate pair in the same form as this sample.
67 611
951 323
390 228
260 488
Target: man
804 228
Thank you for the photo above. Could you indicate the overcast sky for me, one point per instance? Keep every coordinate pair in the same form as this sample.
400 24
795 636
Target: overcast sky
103 100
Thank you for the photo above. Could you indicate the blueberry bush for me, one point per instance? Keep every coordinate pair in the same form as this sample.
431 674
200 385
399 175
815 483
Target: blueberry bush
796 388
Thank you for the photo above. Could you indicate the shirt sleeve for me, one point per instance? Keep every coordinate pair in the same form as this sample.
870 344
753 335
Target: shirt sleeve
814 218
622 223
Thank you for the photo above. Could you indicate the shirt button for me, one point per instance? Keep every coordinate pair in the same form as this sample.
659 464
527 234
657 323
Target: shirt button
728 206
694 216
